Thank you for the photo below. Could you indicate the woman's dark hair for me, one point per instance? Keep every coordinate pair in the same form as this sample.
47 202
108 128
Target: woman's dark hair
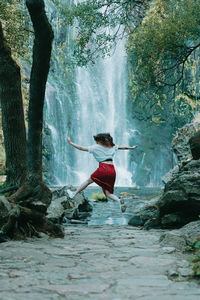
105 138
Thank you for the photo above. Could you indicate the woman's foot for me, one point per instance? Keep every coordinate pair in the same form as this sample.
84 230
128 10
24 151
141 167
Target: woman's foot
123 208
122 201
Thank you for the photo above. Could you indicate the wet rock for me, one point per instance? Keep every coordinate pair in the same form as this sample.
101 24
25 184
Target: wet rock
136 221
71 213
73 221
63 206
61 191
148 212
152 223
195 145
55 211
4 209
145 212
180 202
169 176
171 220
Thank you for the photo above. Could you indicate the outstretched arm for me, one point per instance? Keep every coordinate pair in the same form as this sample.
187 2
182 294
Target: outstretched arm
76 146
126 147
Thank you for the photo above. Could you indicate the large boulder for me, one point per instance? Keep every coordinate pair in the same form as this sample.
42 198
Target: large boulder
180 238
56 210
145 212
180 202
63 206
169 175
194 142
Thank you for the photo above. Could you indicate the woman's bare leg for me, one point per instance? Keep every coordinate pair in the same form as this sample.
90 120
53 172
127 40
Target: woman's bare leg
83 186
112 196
115 198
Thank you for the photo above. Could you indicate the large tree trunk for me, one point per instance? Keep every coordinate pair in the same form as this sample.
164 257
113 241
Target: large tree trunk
40 69
33 197
12 115
34 187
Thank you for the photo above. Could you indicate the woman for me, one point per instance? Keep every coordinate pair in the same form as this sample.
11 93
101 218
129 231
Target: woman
103 151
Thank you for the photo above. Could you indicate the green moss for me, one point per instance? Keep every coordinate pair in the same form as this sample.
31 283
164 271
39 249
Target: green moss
99 197
194 248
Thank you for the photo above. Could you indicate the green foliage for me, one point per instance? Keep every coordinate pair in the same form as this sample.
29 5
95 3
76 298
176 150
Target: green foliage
100 23
15 21
194 247
161 45
99 197
161 53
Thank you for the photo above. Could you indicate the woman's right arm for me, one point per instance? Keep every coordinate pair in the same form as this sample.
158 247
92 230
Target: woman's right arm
76 146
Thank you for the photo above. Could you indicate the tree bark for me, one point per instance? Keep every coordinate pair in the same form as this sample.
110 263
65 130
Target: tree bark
34 188
28 217
40 69
12 115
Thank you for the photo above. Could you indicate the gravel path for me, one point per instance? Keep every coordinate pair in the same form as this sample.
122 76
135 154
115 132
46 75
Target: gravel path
97 262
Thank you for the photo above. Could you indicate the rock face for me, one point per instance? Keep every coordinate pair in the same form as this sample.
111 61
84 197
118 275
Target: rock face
63 206
146 212
195 145
180 202
182 237
181 142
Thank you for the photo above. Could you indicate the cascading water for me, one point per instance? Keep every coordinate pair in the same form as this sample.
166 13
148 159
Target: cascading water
102 98
98 103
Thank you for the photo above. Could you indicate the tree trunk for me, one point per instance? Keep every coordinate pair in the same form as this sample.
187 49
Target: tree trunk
12 115
40 69
34 187
28 217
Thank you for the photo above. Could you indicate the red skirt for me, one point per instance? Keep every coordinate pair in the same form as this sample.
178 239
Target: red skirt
105 176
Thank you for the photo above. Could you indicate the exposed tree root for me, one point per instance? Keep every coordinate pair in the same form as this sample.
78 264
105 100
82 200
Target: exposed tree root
27 217
9 189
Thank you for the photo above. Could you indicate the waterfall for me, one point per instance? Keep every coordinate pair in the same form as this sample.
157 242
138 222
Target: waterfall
102 107
93 100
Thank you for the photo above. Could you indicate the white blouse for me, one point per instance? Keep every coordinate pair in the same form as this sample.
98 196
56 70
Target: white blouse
102 153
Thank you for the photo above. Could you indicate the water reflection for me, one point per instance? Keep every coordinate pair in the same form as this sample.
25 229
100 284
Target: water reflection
109 213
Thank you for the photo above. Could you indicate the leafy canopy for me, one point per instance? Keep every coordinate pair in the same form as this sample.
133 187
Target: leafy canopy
99 24
166 38
15 21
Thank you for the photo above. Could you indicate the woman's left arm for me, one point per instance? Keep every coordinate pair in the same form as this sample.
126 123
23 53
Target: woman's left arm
126 147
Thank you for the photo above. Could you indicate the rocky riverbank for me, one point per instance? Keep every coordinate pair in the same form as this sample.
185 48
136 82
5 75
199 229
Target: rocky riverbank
180 201
63 208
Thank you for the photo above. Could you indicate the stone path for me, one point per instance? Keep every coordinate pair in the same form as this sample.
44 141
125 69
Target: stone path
91 263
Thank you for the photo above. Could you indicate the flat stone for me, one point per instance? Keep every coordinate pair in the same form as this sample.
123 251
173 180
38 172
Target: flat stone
16 273
172 272
168 249
100 262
